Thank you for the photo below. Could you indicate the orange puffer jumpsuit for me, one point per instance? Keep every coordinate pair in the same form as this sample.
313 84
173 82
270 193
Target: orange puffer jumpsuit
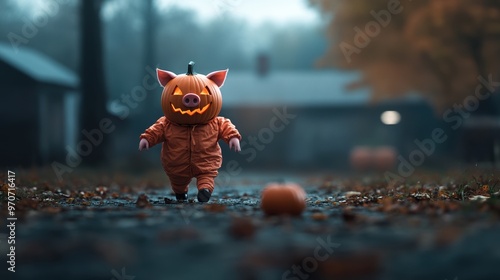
191 150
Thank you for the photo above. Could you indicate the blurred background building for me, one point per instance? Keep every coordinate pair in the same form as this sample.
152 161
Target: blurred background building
40 105
287 56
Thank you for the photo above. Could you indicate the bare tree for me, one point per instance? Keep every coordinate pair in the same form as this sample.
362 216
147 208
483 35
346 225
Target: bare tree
94 96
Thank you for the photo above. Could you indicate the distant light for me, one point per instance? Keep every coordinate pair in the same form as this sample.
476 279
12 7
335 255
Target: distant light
390 117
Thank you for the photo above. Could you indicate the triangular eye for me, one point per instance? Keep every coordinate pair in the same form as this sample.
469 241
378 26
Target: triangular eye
177 91
205 91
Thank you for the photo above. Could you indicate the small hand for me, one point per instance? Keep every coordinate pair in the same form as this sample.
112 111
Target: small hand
235 143
144 144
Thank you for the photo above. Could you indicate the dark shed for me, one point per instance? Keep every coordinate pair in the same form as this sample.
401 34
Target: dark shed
39 107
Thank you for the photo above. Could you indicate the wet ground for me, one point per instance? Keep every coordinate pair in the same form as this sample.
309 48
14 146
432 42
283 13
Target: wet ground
353 228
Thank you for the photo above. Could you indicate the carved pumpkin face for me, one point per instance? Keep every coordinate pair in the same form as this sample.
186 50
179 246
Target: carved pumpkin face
190 99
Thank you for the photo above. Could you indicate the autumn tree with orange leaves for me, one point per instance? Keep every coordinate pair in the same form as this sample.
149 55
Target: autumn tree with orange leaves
446 50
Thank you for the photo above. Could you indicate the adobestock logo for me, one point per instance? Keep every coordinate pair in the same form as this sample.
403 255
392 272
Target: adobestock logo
256 144
121 276
310 264
31 27
94 137
223 7
454 116
363 37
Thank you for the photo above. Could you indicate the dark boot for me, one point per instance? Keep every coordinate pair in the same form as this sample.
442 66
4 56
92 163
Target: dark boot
204 195
181 196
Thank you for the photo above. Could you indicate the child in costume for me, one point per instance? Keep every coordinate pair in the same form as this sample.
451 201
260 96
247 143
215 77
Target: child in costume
191 129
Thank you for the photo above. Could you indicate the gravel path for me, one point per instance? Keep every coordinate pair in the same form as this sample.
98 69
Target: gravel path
123 237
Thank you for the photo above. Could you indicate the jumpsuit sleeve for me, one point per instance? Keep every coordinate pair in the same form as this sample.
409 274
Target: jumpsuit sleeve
227 130
155 134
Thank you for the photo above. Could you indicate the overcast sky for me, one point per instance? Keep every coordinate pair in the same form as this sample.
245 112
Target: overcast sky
254 11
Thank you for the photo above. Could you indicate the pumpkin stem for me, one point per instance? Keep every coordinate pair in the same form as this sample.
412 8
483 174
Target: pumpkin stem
190 68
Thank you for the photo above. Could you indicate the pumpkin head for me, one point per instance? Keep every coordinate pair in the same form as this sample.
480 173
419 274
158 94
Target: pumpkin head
283 199
191 98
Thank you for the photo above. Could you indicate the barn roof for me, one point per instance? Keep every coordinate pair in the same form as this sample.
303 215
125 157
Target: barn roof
38 66
292 88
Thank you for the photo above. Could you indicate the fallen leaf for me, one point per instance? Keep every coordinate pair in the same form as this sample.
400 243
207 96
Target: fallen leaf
319 216
359 266
352 193
141 215
215 208
174 235
169 201
349 216
51 210
448 235
143 202
101 190
421 196
480 198
242 228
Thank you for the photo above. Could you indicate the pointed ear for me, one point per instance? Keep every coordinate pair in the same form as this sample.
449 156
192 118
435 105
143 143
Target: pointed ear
164 76
218 77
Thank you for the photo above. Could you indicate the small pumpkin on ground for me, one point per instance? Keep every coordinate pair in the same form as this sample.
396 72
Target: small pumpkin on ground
283 199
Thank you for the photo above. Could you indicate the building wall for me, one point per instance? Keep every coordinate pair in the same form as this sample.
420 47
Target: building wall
38 117
52 124
38 122
323 136
19 126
